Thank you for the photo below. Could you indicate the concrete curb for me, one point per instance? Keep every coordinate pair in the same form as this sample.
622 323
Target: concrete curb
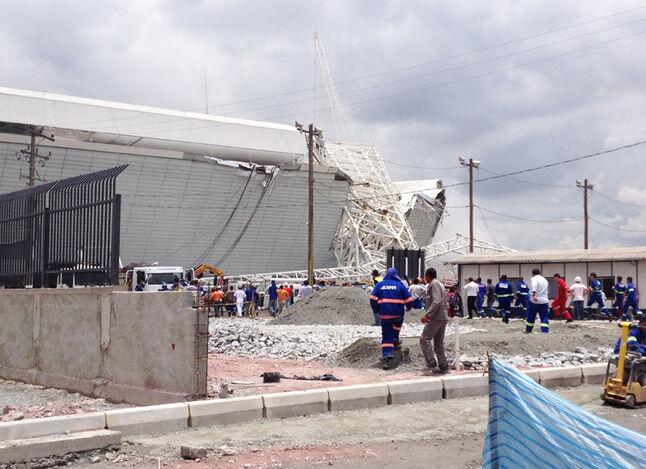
57 445
296 403
150 419
173 417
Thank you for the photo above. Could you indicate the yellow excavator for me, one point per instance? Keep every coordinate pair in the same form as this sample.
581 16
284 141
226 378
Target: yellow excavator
200 269
628 386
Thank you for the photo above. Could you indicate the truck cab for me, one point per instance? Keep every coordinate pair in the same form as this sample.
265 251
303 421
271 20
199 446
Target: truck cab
154 277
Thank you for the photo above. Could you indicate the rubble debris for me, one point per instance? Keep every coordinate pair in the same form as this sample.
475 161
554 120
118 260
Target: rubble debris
188 452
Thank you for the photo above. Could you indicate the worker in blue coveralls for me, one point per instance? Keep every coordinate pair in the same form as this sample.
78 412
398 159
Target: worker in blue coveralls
504 294
482 293
595 295
620 296
636 339
389 298
632 298
522 296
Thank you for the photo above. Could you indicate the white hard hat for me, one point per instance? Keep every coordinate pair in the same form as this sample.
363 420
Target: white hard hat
577 279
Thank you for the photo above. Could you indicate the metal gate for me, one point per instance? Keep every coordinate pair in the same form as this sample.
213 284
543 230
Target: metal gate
62 232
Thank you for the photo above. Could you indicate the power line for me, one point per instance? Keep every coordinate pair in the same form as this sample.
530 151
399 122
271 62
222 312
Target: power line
617 201
522 181
628 230
395 163
418 77
532 220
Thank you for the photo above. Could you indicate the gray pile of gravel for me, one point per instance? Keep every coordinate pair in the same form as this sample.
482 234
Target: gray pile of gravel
332 305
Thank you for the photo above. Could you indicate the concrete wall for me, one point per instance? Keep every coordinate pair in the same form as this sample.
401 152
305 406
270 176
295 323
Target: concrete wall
141 348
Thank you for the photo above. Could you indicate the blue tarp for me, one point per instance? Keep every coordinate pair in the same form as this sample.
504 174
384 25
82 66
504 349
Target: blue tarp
530 426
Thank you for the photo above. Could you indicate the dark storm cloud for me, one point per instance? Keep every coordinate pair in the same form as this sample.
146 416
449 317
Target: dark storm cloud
156 53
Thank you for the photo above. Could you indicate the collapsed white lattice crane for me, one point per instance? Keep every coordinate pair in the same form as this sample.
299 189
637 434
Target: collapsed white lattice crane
372 219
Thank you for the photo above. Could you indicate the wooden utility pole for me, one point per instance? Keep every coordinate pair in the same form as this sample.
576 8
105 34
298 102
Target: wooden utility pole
471 164
310 214
31 181
586 217
32 156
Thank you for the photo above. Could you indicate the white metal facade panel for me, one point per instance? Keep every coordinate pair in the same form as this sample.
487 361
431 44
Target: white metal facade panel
550 269
624 269
641 281
467 271
489 271
173 209
141 126
602 269
510 270
526 271
576 269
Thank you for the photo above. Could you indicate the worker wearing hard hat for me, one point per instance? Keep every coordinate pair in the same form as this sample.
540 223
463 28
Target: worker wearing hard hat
504 294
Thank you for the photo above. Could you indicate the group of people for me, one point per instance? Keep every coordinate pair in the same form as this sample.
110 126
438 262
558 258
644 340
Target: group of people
282 296
391 298
481 298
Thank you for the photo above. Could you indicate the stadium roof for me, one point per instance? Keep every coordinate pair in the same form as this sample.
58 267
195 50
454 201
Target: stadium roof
92 120
428 189
536 257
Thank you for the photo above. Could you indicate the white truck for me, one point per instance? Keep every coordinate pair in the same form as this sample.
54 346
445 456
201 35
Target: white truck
153 277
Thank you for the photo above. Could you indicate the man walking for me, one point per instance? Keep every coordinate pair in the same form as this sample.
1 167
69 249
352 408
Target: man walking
482 293
505 294
579 292
388 299
436 318
595 295
632 299
272 292
240 297
538 304
620 293
522 297
558 304
491 298
283 298
471 292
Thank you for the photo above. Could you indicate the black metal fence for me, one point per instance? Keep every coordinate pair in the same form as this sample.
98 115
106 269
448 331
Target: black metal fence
62 232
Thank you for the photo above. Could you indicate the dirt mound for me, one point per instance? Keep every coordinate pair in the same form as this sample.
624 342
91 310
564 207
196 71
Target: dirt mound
503 340
337 305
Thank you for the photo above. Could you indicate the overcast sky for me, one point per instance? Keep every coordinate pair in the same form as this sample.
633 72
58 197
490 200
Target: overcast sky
513 84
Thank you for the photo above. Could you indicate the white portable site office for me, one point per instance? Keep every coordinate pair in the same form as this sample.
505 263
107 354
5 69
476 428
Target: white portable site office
606 263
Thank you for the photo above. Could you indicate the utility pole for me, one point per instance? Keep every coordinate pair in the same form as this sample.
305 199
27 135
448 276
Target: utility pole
311 133
32 156
586 217
471 164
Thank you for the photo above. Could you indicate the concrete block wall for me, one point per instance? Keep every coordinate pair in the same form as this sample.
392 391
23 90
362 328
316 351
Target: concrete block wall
140 348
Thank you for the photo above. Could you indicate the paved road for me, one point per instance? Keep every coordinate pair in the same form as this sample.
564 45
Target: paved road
446 434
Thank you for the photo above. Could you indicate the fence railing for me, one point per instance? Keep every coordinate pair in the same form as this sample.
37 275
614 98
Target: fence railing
62 232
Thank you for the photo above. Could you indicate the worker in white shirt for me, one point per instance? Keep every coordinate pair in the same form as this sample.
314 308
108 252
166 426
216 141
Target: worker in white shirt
538 303
578 292
240 296
471 290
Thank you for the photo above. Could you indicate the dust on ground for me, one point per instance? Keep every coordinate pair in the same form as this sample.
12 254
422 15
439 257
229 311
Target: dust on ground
449 432
335 305
25 401
505 340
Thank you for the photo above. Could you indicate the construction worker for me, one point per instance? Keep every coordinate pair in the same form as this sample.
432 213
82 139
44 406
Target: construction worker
418 292
482 293
559 303
504 294
376 278
389 298
218 298
632 299
522 297
620 296
283 298
272 292
436 318
490 297
578 292
538 304
636 338
471 290
595 294
240 297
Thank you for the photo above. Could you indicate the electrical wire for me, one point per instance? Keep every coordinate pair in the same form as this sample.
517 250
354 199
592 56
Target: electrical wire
416 77
484 222
394 163
630 204
627 230
428 62
522 181
532 220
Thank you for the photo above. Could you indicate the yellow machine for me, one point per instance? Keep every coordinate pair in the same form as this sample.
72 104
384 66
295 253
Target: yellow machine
200 269
628 386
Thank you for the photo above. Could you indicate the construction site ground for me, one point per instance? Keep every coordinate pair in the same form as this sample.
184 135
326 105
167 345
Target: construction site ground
360 361
447 433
